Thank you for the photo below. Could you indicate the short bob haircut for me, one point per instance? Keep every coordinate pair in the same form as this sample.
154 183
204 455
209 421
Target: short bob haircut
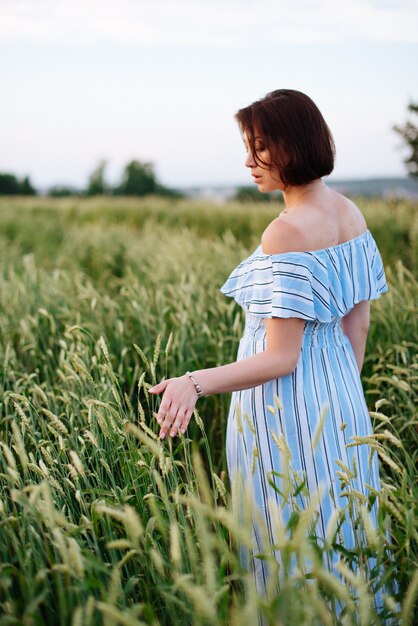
291 127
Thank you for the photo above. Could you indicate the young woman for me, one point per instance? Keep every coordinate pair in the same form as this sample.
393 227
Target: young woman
306 293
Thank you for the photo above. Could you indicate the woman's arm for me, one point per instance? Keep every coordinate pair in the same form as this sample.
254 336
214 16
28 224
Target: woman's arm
356 326
284 340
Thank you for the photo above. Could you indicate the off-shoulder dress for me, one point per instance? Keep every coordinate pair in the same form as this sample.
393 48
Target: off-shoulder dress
320 287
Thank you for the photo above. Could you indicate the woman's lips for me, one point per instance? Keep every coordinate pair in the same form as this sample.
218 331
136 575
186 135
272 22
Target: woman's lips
256 178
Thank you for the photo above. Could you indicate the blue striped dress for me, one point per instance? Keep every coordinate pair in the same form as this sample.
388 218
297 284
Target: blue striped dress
320 287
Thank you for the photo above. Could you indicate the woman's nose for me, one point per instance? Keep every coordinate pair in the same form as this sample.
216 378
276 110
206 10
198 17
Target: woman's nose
249 161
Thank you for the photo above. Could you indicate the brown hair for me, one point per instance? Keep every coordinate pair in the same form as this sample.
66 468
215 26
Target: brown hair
292 128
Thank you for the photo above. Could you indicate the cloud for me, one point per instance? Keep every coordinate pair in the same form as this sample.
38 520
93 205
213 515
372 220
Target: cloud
207 22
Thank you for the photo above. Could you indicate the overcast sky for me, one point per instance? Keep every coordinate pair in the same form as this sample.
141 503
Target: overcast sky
160 81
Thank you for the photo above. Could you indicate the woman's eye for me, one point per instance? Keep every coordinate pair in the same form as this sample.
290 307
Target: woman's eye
260 148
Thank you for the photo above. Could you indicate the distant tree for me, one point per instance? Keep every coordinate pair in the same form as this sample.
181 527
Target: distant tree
251 194
62 191
97 184
409 133
138 180
10 185
26 187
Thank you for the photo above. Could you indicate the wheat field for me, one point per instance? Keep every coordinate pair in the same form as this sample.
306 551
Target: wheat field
100 521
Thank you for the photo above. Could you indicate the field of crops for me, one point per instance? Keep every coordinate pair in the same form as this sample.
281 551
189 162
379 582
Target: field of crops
100 522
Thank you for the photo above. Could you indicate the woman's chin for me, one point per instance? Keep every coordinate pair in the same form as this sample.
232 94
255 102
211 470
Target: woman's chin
262 188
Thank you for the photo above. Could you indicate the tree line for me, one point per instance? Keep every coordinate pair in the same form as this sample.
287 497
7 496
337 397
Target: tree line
10 185
138 179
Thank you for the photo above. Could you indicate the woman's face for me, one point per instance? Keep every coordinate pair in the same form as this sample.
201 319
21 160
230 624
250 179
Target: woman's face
266 180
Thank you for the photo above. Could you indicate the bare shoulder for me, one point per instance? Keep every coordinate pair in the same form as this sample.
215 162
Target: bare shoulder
350 219
283 236
330 220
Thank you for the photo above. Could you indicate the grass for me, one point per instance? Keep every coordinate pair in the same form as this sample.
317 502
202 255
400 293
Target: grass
101 523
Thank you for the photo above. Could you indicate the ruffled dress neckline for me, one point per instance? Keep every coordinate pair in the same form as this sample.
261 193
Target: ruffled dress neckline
348 242
316 285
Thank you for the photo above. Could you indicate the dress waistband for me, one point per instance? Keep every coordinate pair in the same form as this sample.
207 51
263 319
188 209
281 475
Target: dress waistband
321 335
314 334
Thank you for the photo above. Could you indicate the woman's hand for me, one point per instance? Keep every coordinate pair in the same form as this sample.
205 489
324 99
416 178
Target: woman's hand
177 404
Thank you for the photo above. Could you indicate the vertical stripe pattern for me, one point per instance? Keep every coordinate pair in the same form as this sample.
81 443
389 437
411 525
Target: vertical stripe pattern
320 287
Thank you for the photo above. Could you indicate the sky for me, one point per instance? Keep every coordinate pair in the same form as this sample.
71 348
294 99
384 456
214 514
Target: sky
160 81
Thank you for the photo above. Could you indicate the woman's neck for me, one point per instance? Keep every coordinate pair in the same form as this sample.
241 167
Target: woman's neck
293 196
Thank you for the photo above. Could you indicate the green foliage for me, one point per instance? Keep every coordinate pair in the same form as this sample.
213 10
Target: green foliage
97 184
251 194
139 180
63 191
409 133
101 523
10 185
394 223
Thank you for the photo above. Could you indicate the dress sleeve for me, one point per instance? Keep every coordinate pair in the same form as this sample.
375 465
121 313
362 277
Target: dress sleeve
310 286
267 286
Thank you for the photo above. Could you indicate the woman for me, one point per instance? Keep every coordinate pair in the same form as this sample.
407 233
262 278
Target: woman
306 293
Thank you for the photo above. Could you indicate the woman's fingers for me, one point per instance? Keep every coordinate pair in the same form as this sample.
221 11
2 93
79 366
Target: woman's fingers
176 406
177 423
185 422
168 420
163 411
